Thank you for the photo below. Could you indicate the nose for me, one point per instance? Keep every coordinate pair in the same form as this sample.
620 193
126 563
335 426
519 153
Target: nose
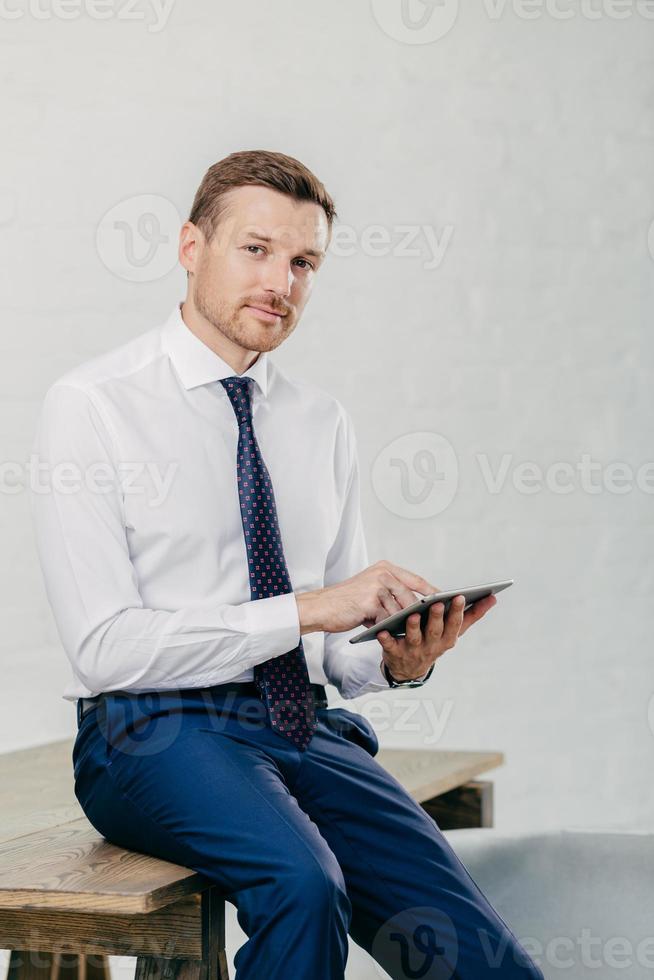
278 277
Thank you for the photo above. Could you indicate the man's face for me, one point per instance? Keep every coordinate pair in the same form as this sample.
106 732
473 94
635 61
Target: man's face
264 255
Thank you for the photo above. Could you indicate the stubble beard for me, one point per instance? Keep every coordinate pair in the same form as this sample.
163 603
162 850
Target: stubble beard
229 321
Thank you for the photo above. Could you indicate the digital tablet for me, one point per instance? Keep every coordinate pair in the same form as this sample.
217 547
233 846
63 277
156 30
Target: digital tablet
396 624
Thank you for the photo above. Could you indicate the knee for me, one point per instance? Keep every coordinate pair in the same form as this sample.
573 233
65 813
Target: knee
317 888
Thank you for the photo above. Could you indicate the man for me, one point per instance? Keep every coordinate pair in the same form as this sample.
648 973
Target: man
206 575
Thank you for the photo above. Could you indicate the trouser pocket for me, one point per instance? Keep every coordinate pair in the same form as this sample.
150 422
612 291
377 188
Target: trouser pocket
354 727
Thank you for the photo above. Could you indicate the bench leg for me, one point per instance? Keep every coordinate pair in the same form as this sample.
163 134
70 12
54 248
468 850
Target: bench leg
212 966
28 965
469 805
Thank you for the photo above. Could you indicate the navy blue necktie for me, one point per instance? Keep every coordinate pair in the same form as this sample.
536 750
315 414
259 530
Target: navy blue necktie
284 680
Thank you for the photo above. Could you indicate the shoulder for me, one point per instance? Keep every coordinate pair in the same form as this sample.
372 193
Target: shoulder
113 365
76 405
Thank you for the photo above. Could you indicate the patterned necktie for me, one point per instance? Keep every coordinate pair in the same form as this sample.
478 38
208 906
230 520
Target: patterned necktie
284 680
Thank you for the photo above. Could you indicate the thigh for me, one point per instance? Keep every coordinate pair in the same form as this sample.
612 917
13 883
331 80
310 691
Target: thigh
413 900
186 792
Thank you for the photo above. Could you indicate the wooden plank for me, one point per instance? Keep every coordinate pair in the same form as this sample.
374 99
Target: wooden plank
72 867
165 940
470 805
429 772
171 932
37 789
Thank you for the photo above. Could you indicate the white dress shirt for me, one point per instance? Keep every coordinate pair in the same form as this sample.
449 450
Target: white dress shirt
138 527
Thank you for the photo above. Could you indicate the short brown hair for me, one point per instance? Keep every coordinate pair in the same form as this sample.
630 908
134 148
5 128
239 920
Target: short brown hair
263 167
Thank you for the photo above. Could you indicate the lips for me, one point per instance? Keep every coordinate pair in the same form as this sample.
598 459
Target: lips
265 309
265 315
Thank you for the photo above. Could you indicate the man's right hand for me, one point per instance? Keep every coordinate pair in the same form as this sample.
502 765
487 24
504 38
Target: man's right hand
363 600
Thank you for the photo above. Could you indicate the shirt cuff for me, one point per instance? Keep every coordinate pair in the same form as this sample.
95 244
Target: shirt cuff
363 673
275 619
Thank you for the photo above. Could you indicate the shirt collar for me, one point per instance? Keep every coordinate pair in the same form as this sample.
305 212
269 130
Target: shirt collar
197 364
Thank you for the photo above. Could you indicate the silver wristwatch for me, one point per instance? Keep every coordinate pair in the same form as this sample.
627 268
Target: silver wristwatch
409 683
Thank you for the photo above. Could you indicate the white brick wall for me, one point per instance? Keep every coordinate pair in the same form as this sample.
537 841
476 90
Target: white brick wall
532 141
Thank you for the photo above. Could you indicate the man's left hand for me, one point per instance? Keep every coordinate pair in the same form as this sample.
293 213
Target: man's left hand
412 655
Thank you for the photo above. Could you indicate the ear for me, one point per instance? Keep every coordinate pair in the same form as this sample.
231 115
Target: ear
191 242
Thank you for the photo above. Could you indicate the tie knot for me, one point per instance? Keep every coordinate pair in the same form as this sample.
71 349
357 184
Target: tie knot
238 391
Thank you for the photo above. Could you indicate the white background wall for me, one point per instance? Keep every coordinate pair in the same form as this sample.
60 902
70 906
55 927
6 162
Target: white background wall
522 139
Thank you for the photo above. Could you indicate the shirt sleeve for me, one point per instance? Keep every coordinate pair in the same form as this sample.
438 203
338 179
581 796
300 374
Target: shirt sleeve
354 669
111 640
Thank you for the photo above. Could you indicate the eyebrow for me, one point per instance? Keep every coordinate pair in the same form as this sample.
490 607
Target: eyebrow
306 251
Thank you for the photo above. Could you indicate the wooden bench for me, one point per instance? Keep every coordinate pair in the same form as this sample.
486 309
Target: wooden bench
69 898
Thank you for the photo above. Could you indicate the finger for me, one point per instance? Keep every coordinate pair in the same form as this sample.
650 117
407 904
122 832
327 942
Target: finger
414 637
403 595
479 608
476 611
388 602
389 644
435 623
453 621
406 597
411 580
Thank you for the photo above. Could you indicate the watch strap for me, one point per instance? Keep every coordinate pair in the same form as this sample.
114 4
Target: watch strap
392 682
